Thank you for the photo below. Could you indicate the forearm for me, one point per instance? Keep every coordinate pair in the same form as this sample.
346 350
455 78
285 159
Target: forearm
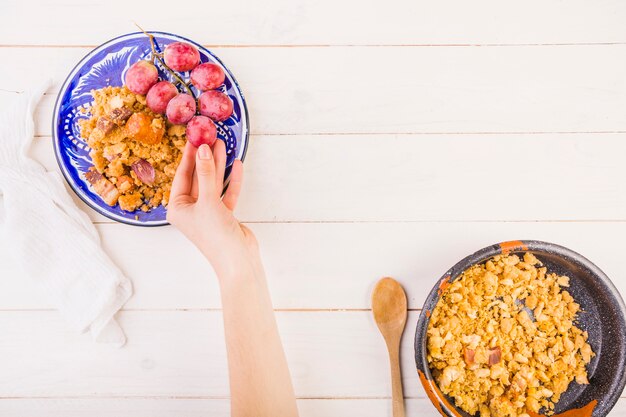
259 377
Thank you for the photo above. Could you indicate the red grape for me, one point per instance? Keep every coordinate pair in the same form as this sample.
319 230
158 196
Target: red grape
201 130
207 76
159 95
215 104
181 109
141 76
181 56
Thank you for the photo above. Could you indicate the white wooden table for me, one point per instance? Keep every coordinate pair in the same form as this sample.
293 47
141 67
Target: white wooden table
388 138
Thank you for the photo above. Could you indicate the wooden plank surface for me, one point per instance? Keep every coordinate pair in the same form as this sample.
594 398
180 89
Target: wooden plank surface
182 353
388 139
314 22
397 89
158 407
334 266
427 177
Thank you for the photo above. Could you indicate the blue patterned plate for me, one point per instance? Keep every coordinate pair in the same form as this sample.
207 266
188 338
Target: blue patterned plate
106 66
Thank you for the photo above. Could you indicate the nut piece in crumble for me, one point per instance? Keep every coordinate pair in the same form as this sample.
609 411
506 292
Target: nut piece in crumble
134 151
502 339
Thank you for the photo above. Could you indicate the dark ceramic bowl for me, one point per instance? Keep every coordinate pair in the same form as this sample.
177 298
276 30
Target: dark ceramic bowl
603 318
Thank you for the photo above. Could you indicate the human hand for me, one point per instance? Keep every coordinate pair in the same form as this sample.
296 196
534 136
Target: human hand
196 209
259 378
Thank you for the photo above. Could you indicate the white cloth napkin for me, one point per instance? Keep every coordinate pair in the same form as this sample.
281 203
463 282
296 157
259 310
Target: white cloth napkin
50 239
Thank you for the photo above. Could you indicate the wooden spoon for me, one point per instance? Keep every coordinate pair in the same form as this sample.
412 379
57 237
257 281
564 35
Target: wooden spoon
389 308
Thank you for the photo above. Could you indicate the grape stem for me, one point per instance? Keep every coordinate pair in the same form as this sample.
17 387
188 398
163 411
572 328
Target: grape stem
159 57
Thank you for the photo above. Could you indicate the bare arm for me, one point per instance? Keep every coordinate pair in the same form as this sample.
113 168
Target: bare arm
260 383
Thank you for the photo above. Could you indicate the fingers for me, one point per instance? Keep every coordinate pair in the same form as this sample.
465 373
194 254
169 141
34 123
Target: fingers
219 153
200 174
181 185
205 169
234 187
194 186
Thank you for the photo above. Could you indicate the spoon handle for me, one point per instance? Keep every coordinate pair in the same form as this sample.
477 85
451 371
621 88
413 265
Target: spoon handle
397 396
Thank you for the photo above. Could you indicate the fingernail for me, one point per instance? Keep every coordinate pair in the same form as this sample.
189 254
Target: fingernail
204 152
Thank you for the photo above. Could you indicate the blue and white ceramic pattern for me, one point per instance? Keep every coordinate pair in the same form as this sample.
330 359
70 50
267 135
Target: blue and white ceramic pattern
106 66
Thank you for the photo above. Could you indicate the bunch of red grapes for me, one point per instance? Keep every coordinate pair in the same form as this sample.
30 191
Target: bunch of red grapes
163 97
